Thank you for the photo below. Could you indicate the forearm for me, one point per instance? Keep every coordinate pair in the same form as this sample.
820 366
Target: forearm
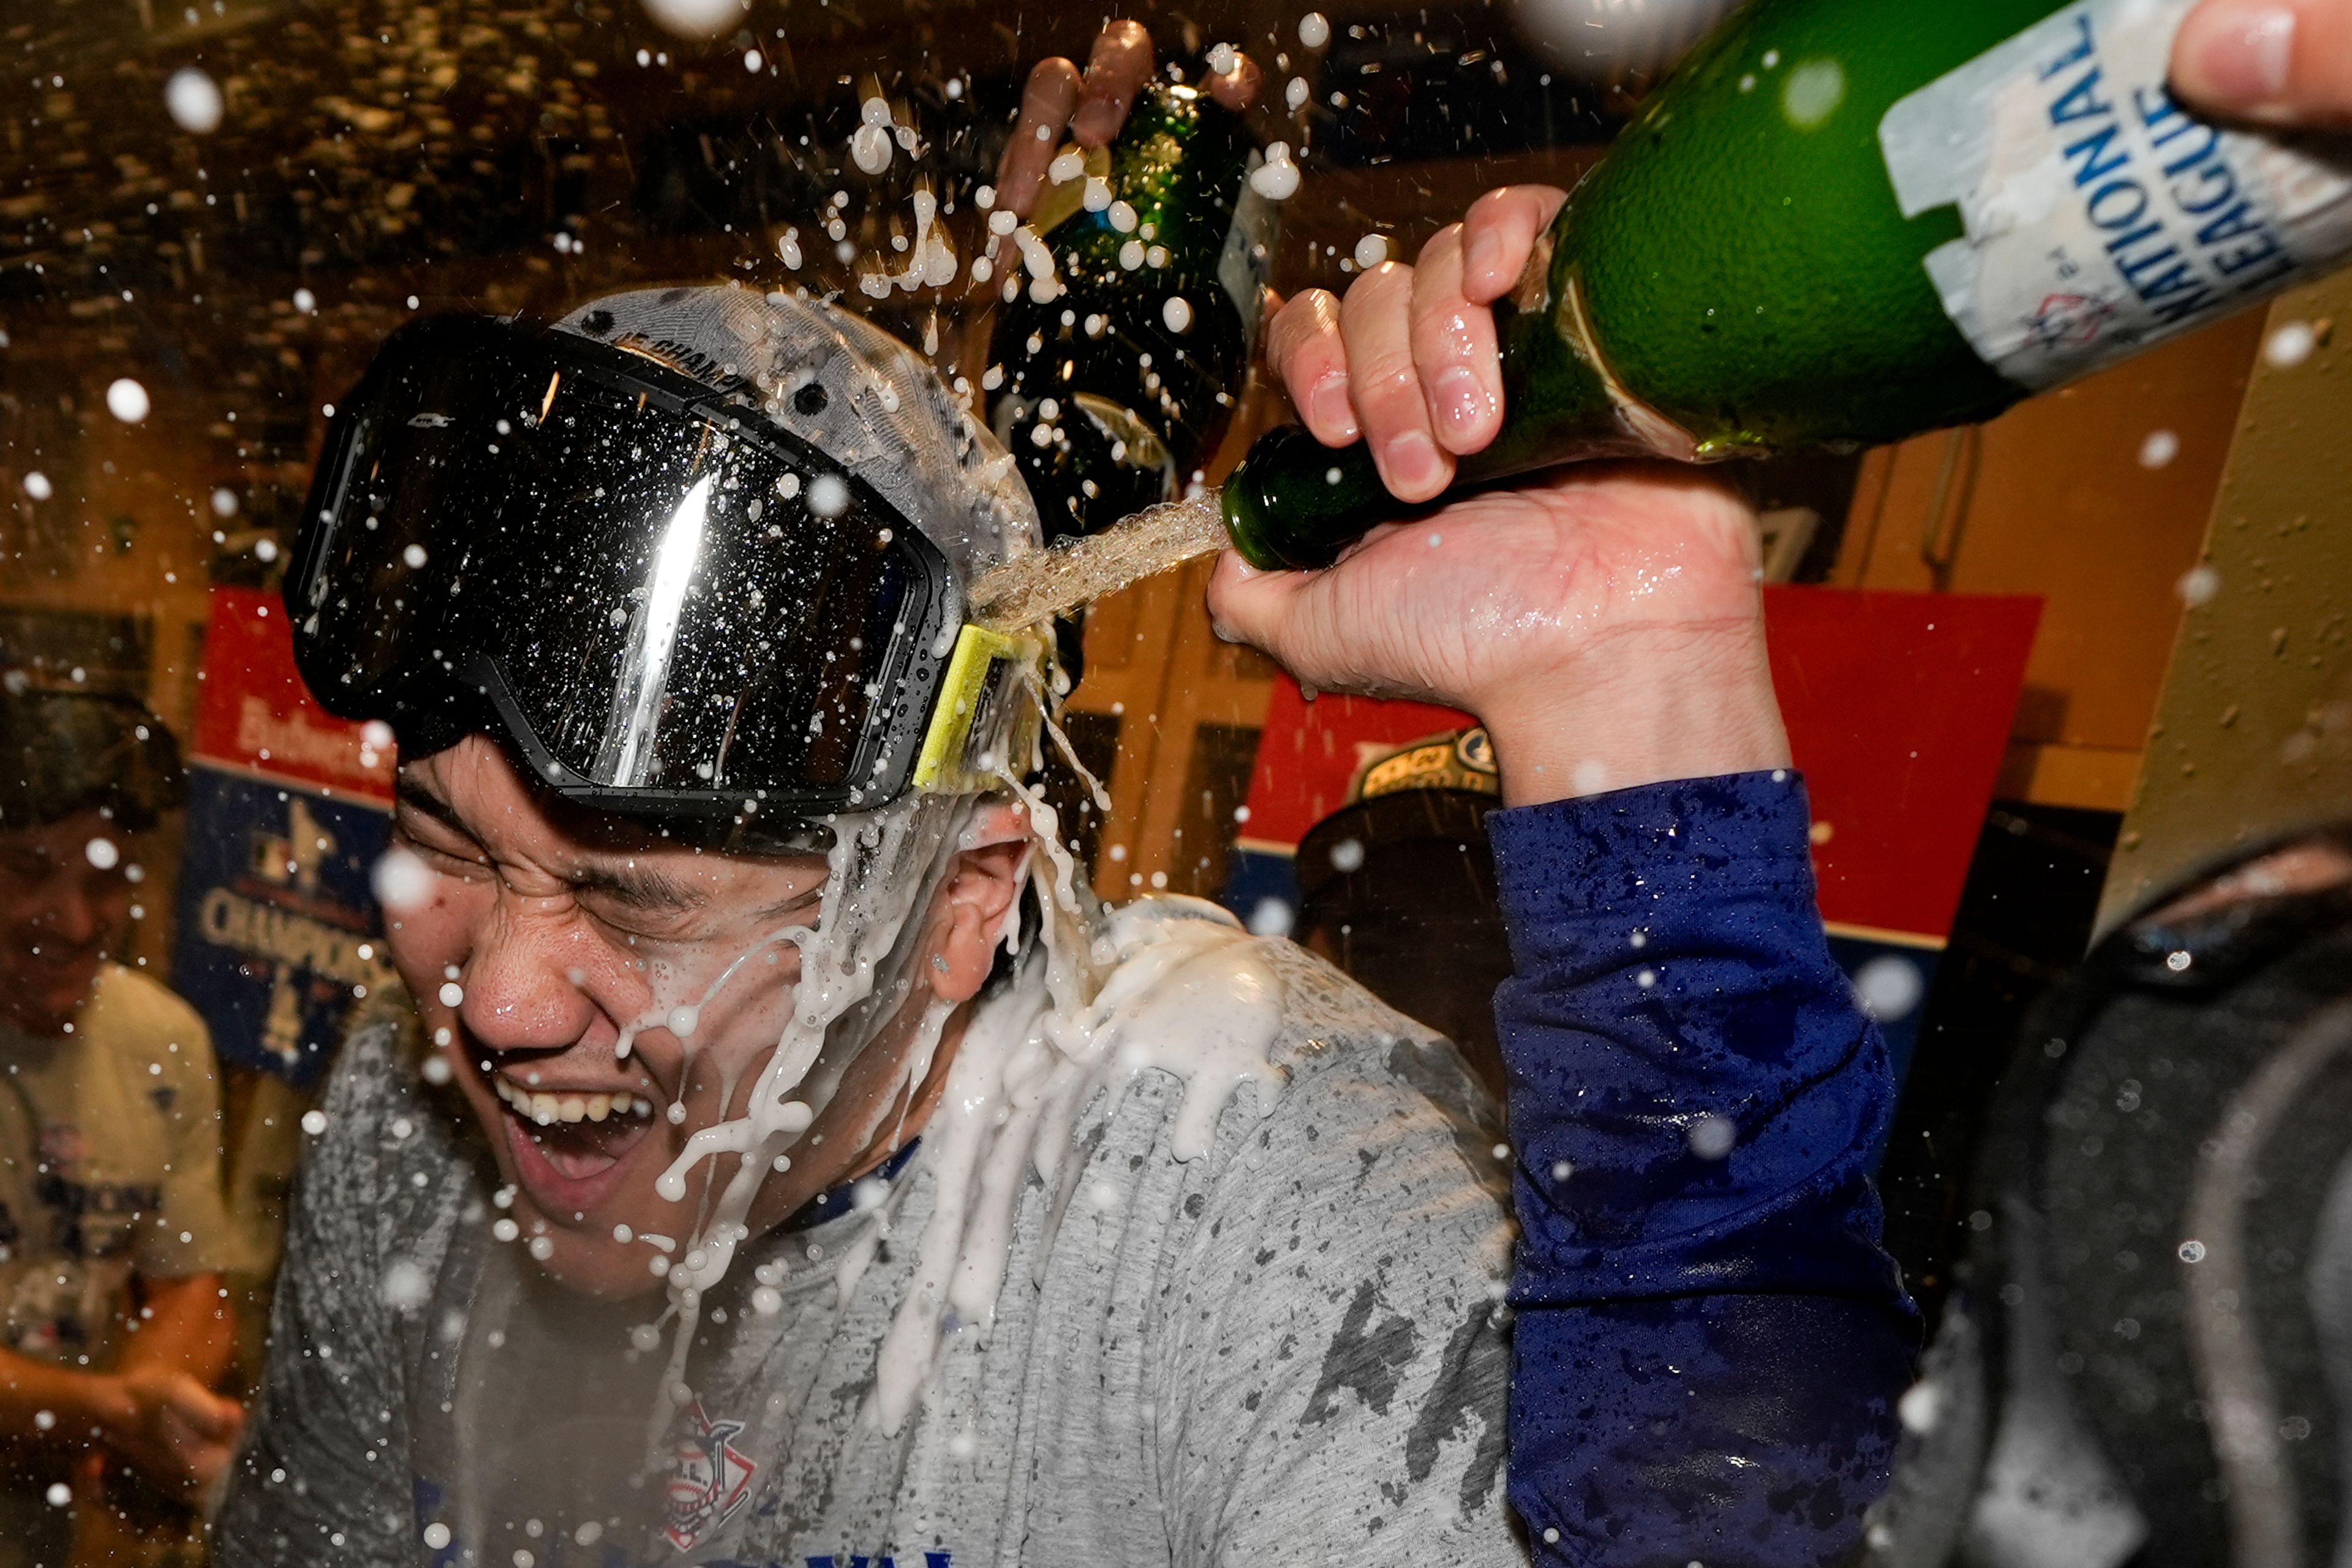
184 1325
45 1403
1709 1330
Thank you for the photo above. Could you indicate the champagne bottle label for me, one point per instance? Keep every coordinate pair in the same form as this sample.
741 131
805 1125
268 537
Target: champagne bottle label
2100 217
1246 263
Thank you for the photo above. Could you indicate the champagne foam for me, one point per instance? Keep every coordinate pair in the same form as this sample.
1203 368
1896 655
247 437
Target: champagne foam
1049 583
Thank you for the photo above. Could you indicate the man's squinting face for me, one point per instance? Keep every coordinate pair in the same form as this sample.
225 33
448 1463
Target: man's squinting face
542 934
63 904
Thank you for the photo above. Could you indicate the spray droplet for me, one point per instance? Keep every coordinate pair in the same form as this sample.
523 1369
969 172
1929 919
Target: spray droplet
452 994
2158 450
1177 312
314 1123
695 19
1711 1137
405 1285
1814 92
2291 345
400 880
1276 179
1347 854
437 1071
37 486
1223 59
683 1019
869 149
1313 30
1294 95
1272 917
1889 987
224 502
127 401
2197 585
193 101
102 854
827 496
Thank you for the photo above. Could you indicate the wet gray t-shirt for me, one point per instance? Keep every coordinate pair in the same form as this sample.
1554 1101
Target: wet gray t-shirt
1288 1350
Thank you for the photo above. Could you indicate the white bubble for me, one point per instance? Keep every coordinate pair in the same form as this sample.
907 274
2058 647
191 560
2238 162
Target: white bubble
695 19
1272 917
400 880
437 1535
542 1248
436 1069
44 1419
102 853
589 1533
1814 92
869 149
1371 250
505 1230
1097 194
1561 1169
645 1337
1177 311
753 61
1921 1406
1065 167
828 495
306 302
869 1194
1294 97
2291 345
224 502
767 1301
405 1285
1313 30
37 486
413 556
2197 585
1104 1197
193 101
2193 1251
127 401
1711 1137
1889 987
59 1494
1276 179
452 995
1347 854
683 1019
376 735
314 1123
1223 59
2158 450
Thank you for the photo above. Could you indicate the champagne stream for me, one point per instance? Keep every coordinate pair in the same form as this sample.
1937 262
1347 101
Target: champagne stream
1056 582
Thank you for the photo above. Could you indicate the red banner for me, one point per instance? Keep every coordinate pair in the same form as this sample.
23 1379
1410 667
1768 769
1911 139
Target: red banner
1898 708
256 717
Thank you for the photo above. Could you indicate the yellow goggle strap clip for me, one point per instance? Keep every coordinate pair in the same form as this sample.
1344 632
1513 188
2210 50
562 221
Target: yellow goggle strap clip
987 670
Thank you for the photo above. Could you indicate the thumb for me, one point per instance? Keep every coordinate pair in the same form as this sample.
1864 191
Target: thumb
2280 62
1248 605
206 1414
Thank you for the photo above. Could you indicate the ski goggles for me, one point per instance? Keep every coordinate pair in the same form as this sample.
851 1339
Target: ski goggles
673 608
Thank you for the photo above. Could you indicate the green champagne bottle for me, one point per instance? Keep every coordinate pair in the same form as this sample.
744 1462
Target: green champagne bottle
1843 224
1127 329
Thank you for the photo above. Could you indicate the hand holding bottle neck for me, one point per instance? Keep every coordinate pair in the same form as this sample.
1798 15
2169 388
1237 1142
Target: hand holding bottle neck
1605 623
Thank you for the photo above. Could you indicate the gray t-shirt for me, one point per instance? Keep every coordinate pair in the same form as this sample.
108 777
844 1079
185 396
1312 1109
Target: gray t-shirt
1291 1349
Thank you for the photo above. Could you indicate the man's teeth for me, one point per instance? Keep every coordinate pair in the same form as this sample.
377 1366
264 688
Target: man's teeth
549 1109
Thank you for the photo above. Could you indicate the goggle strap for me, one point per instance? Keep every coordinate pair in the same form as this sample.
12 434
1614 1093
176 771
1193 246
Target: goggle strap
987 670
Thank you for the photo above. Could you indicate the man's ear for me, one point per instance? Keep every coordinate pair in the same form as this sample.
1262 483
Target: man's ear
979 898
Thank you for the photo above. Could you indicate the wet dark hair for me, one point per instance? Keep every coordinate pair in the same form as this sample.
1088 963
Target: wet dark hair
63 752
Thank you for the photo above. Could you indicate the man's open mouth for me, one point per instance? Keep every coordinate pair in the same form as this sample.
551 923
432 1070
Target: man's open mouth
564 1144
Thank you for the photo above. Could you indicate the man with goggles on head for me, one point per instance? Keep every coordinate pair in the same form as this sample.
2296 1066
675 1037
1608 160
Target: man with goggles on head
792 1161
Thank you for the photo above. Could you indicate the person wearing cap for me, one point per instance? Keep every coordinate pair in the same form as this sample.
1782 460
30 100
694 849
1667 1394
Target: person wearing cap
1397 888
113 1234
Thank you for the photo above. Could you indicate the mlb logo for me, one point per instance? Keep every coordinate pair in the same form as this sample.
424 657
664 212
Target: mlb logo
709 1478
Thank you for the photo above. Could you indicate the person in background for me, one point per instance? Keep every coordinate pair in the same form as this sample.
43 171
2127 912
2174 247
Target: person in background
1397 888
113 1237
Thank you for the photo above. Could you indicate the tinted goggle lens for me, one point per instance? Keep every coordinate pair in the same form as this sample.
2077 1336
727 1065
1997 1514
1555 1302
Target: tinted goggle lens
657 598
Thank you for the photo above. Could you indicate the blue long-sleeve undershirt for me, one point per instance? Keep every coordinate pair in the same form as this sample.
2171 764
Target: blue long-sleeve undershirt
1710 1341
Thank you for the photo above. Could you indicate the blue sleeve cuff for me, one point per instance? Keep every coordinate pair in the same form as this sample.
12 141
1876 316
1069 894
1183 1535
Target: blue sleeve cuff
1694 1093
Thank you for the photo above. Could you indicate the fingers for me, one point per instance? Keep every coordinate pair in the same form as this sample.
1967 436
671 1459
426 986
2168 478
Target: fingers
1257 607
1046 105
1120 66
1454 350
1237 88
1376 327
1303 347
2282 62
1499 234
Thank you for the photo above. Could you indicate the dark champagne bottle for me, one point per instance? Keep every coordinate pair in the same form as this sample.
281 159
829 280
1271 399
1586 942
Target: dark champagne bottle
1123 347
1841 223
